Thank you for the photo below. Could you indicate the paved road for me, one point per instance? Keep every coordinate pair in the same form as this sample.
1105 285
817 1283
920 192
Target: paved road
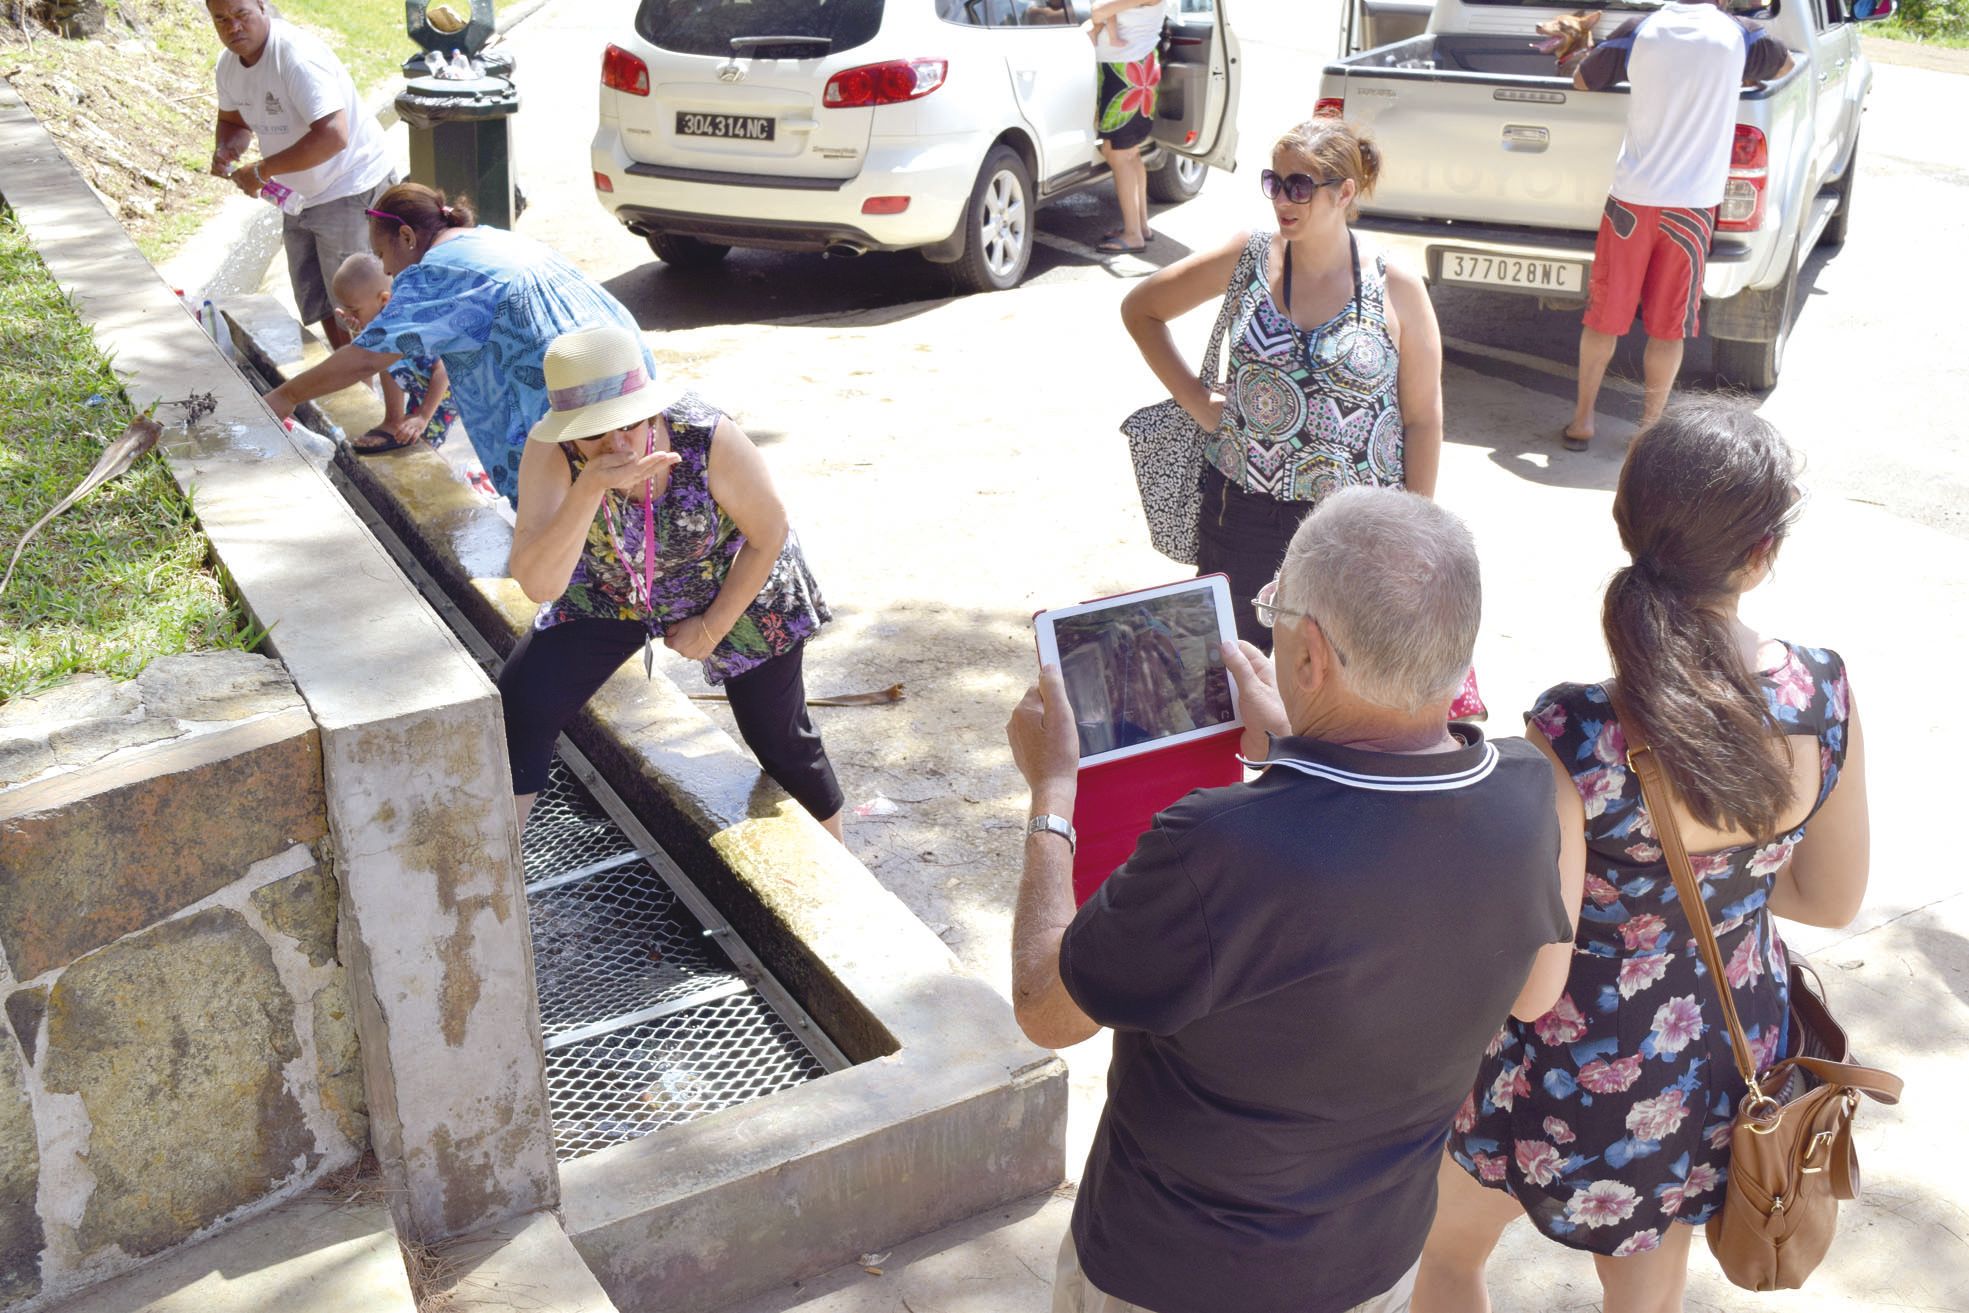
953 465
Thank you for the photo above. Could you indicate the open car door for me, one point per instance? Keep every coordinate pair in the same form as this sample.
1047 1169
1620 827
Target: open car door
1196 107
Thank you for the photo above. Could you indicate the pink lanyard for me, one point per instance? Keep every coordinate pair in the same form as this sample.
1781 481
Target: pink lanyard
641 598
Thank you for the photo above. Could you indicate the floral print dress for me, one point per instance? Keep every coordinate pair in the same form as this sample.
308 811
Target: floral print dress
1609 1116
695 545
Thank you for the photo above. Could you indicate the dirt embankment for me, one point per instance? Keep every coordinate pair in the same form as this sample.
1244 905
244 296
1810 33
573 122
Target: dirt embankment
126 89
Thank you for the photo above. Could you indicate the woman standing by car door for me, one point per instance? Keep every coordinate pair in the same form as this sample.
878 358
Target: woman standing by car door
1126 34
1336 362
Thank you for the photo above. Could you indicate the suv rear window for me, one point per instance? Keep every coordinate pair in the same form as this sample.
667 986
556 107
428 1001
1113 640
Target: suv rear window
708 27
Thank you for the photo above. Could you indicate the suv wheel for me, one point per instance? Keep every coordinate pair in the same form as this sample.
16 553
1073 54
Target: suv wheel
1178 179
998 225
687 254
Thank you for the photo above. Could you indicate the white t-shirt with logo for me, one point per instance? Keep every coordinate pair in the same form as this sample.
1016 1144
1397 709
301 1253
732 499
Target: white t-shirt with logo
1685 72
1139 31
296 82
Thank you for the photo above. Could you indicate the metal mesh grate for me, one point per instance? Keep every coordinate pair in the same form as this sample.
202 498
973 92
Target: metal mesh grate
664 1073
613 943
568 830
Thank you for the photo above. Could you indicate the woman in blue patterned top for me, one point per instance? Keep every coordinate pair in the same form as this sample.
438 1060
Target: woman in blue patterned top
1335 363
486 301
1606 1121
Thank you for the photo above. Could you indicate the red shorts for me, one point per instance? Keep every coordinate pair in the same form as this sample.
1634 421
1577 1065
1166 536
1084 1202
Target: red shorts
1651 257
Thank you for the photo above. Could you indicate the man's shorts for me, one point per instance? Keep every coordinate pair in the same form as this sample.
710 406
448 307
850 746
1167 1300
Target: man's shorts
318 239
1651 257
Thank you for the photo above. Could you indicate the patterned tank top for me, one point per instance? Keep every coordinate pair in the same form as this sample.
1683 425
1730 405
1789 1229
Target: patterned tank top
1310 411
695 545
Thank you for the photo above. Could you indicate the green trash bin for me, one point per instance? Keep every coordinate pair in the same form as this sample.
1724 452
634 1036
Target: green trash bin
461 141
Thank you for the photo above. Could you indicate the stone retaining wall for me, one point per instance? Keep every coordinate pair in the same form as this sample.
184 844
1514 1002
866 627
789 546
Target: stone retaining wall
180 1042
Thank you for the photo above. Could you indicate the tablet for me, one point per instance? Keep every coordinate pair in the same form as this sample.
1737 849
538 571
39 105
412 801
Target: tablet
1145 670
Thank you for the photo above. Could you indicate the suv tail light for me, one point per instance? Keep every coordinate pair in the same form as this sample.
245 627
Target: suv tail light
622 71
889 83
1743 195
1330 107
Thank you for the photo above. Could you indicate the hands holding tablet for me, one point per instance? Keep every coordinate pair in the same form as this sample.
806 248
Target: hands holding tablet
1045 745
1258 698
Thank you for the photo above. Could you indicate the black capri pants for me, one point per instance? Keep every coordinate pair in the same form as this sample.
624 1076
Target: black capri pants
553 672
1244 535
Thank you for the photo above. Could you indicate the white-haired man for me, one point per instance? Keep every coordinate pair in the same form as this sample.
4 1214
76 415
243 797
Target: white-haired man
1302 970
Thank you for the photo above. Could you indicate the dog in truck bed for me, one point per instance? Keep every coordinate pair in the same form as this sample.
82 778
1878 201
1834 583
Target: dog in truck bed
1567 35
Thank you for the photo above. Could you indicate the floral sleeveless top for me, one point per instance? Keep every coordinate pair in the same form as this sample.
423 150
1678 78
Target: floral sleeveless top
1310 411
695 544
1608 1118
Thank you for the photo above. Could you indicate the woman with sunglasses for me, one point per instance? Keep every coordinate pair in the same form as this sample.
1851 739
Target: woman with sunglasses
486 301
1335 375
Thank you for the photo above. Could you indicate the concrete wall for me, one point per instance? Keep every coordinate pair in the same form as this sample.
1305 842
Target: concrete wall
180 1042
413 759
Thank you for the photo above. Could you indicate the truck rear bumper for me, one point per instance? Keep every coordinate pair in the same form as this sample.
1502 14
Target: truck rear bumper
1420 243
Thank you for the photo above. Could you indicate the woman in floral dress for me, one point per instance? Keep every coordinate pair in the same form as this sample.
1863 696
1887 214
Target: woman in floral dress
647 516
1607 1120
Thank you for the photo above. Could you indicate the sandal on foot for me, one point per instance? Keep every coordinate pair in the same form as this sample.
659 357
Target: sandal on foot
1573 443
1118 245
379 440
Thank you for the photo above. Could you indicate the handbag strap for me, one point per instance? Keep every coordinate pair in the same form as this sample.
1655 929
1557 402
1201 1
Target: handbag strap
1240 279
1668 833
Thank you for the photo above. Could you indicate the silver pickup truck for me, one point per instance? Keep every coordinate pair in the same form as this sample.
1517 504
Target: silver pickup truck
1496 169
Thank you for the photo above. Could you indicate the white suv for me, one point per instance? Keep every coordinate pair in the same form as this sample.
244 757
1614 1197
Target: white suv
863 125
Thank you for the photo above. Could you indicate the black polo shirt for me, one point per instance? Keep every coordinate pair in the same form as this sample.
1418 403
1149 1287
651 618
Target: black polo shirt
1302 972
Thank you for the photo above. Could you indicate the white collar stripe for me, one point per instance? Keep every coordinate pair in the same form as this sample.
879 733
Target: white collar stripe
1388 783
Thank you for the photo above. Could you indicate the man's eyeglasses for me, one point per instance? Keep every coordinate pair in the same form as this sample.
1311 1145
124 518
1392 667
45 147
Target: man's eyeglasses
1269 611
1299 188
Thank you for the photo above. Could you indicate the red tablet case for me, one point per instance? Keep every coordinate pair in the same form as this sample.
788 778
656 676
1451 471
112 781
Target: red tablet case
1117 800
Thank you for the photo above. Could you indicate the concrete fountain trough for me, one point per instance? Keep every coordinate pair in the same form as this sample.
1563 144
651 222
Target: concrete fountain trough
901 1094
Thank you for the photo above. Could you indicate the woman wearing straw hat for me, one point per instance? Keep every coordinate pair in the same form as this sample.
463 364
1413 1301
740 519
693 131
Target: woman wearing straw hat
645 514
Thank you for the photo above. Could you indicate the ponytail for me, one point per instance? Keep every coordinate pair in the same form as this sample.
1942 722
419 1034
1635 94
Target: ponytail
1705 492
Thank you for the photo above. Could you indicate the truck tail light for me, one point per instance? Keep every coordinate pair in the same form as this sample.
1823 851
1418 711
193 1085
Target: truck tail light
1330 107
889 83
622 71
1742 210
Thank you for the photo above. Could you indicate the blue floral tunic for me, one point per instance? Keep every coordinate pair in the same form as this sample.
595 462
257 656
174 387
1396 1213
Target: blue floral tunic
695 545
1609 1116
490 302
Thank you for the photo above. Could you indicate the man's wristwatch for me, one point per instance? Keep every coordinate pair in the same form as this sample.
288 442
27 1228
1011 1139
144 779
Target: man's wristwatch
1046 823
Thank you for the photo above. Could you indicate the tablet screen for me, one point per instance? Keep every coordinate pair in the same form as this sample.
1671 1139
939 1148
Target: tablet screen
1145 668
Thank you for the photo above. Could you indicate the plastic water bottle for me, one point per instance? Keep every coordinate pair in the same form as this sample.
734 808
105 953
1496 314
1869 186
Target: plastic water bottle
215 327
283 197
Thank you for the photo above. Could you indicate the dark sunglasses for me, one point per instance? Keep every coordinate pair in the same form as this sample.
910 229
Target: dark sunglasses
1299 188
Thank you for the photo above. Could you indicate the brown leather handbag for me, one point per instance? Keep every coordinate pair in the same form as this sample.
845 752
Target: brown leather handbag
1791 1148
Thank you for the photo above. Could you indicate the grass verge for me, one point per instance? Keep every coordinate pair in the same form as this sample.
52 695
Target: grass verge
120 578
1894 30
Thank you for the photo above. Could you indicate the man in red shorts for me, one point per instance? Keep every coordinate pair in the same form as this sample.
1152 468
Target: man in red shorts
1684 64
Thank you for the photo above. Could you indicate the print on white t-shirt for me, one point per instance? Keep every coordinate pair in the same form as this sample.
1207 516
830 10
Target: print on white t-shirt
1685 72
296 82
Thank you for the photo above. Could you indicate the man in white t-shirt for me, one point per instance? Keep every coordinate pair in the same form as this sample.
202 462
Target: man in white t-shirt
1685 64
285 88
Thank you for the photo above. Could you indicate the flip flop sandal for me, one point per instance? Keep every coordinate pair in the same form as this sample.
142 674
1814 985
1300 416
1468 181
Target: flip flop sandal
1117 246
379 440
1572 443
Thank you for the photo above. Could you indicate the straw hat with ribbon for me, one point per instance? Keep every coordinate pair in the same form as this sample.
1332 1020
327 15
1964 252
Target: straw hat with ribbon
596 382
